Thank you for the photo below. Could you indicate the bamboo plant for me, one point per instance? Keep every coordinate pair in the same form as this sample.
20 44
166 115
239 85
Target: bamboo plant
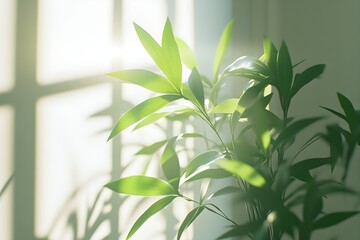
260 152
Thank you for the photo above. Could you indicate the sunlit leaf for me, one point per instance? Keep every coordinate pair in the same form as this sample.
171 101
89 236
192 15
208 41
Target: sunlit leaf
152 210
142 186
248 67
172 67
201 160
145 79
223 45
333 219
151 119
225 190
189 219
141 111
270 53
305 77
147 150
186 53
196 86
243 170
227 106
210 173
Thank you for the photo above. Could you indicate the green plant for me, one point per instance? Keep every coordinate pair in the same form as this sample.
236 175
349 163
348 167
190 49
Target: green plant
259 151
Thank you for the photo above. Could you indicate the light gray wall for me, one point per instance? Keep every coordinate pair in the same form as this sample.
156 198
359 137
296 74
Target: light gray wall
322 31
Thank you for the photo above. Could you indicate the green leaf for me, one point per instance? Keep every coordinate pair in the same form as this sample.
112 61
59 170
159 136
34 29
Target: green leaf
301 169
202 160
351 115
222 46
305 77
173 67
148 150
216 173
242 230
189 95
244 171
284 71
335 112
225 190
189 219
142 186
196 86
312 204
170 163
152 210
227 106
248 67
151 119
145 79
186 53
293 129
271 53
333 219
141 111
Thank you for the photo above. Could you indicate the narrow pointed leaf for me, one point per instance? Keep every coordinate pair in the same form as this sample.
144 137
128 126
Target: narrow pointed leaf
141 111
142 186
201 160
333 219
335 113
151 119
145 79
244 171
301 169
306 76
227 106
210 173
270 52
313 203
186 53
170 163
189 95
196 86
351 115
223 45
284 71
189 219
172 66
147 150
152 210
293 129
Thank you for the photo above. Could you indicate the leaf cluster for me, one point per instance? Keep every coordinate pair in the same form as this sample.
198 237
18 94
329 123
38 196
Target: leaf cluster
257 152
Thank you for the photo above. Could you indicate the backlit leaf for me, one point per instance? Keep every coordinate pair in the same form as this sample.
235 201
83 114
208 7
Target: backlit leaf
172 66
142 186
186 53
243 170
223 45
201 160
141 111
189 219
151 119
270 52
147 150
227 106
152 210
210 173
145 79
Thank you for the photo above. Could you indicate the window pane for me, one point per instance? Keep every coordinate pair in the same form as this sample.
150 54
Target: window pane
73 159
6 171
75 39
6 44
